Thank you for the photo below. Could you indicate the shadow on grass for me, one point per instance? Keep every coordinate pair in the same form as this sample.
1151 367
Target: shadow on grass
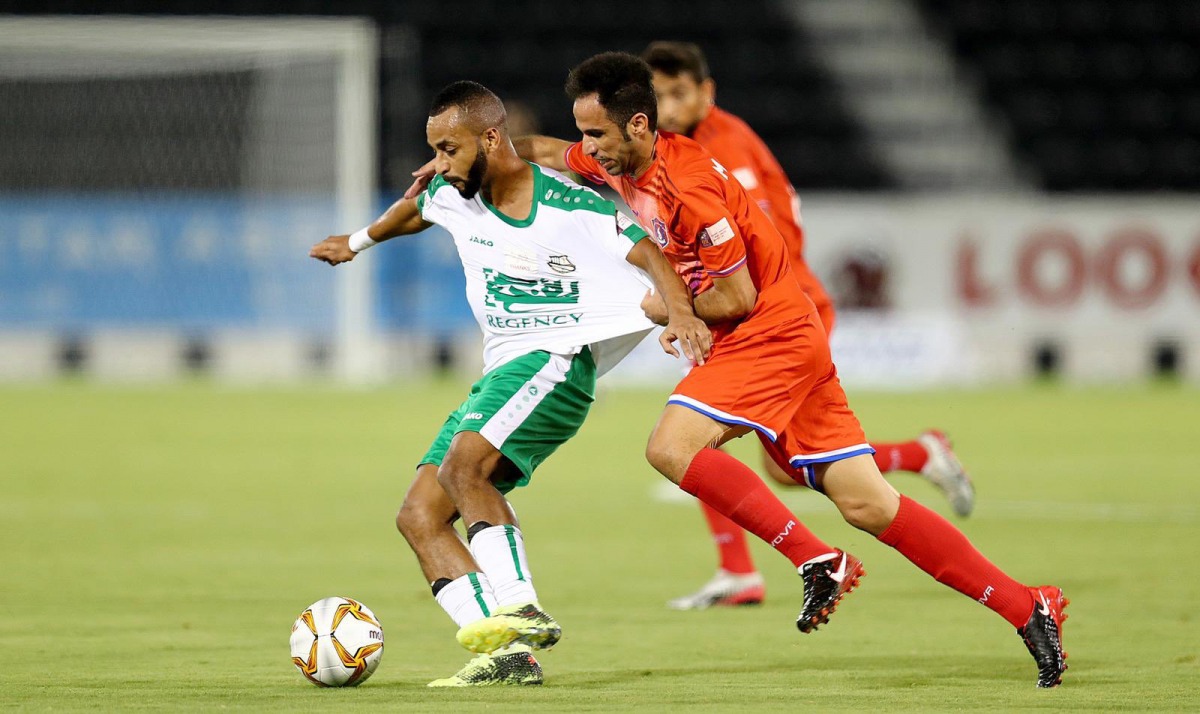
864 671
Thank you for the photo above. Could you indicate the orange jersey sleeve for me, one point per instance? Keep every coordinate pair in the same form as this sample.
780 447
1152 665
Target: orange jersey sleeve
734 154
701 215
584 165
748 159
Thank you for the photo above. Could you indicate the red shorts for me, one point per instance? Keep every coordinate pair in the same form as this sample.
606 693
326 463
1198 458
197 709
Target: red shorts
781 382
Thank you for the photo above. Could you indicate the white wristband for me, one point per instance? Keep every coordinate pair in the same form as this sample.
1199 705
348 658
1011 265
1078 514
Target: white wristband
360 241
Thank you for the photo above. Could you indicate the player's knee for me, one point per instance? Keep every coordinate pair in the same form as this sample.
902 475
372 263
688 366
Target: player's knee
666 458
451 479
458 474
414 520
404 520
655 454
865 514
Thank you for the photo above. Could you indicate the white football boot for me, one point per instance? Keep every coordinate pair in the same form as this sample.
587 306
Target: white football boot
944 470
725 589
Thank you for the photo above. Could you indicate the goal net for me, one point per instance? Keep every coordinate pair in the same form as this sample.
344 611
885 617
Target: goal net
161 180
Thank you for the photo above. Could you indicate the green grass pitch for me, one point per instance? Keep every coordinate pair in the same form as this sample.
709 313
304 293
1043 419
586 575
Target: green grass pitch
158 542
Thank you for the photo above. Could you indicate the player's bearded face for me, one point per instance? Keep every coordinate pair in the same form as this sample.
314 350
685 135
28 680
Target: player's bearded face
451 139
682 102
475 174
603 139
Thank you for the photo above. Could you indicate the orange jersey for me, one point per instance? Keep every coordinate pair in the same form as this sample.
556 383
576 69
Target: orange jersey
706 225
748 159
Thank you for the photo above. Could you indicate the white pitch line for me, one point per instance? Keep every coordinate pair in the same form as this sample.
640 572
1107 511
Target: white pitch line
663 491
1078 511
1085 511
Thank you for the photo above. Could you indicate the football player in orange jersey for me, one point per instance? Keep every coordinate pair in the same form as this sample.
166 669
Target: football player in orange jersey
769 371
686 94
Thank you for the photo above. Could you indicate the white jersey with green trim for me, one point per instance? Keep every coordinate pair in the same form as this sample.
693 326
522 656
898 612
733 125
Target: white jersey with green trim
557 280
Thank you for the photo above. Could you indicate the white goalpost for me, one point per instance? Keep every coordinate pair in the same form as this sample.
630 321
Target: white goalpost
185 165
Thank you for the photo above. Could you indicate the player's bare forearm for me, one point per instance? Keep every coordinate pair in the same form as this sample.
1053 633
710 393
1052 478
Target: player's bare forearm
544 150
729 299
671 304
668 285
402 218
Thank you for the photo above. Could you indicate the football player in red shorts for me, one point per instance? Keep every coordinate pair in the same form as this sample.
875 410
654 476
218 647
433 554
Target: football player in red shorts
769 370
686 105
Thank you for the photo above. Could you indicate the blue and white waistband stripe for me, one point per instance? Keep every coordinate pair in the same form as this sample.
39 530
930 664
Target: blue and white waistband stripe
810 476
825 457
723 417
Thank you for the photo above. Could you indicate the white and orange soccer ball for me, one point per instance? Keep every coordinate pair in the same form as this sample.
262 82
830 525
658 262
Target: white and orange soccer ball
337 642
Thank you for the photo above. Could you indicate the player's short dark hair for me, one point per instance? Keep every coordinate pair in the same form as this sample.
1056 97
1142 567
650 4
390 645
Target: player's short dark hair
621 82
676 58
483 108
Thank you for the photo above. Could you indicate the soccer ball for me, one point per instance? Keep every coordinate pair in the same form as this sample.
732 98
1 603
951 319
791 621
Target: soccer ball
337 642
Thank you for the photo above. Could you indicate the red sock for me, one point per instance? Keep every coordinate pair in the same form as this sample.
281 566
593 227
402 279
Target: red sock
904 456
940 549
732 549
737 493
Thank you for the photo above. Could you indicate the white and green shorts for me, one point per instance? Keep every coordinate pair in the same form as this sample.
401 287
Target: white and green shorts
526 408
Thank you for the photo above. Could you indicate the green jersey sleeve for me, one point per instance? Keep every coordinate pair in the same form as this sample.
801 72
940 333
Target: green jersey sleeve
629 229
425 200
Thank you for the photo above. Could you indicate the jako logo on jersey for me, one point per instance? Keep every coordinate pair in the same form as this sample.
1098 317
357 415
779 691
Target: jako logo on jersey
660 233
481 241
561 264
786 529
473 415
720 169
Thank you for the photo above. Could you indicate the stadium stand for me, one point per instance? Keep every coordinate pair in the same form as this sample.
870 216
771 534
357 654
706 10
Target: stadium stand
1099 95
762 65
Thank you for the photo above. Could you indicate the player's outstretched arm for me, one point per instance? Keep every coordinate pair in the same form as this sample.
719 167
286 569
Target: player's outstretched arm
671 305
544 150
730 298
402 218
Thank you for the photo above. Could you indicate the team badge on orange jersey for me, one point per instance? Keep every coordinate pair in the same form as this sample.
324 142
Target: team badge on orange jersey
660 233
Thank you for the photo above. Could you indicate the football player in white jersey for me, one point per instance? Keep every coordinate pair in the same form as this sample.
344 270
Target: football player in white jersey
555 278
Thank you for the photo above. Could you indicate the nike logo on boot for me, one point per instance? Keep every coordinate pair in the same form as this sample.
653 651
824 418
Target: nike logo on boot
840 574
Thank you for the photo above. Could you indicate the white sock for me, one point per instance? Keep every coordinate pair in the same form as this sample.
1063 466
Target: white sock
500 552
468 599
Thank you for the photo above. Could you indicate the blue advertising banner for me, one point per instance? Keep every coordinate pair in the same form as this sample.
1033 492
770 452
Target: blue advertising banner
202 263
421 285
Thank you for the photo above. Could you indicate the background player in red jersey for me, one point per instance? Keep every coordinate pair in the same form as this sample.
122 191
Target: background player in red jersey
686 94
769 369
